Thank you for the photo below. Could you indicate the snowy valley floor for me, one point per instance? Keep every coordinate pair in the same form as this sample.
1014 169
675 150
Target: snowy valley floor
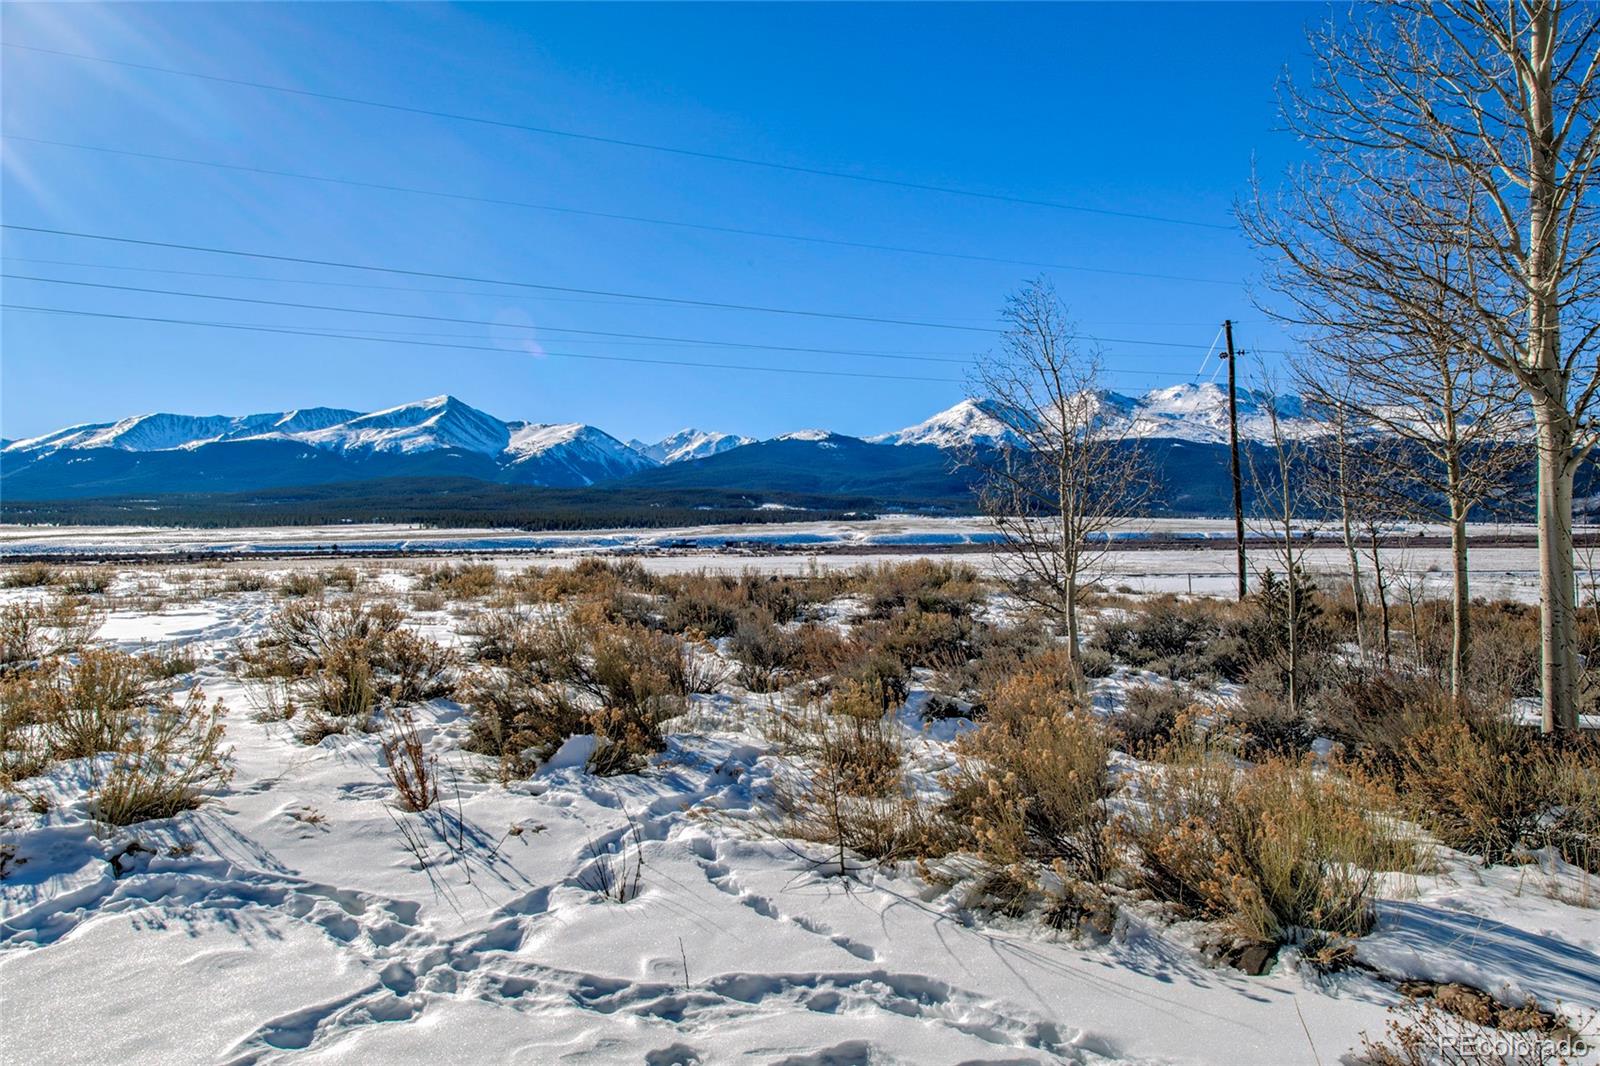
300 916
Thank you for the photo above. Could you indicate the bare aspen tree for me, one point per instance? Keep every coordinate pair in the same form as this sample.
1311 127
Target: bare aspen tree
1279 484
1070 466
1337 482
1501 98
1370 284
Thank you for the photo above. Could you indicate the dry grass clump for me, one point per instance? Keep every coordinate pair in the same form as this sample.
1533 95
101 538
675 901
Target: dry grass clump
1275 851
412 770
165 764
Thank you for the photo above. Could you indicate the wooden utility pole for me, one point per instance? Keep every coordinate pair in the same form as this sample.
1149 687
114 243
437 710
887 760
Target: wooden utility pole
1233 439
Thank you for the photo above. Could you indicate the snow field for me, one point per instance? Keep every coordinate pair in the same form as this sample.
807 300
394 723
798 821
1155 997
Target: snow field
300 916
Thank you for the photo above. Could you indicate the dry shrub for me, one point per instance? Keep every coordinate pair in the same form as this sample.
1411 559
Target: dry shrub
301 583
596 580
23 753
417 669
90 581
163 751
343 577
460 581
21 636
1272 851
1033 778
1179 639
1260 719
346 658
1422 1032
935 586
640 679
846 789
500 637
413 772
519 720
338 698
28 576
94 704
245 581
171 754
305 635
1149 717
1373 713
572 672
169 661
1488 785
766 653
918 637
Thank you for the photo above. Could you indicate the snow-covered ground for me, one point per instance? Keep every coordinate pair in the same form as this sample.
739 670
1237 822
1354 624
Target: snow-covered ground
302 917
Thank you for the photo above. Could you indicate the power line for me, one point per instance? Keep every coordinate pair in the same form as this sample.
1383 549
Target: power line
322 282
260 301
334 334
614 216
439 276
619 142
296 332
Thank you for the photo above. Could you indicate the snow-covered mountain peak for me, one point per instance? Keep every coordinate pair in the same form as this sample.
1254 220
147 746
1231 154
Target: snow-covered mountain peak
690 443
425 425
970 422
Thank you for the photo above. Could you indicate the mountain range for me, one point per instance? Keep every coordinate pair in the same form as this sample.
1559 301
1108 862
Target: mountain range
443 436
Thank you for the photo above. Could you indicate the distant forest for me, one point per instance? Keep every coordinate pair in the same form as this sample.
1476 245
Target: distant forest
455 504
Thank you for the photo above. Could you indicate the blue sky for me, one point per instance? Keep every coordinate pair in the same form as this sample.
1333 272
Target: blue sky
1159 110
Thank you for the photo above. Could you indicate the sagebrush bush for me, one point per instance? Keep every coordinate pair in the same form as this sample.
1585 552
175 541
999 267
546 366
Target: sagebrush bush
1272 851
94 704
465 581
1033 778
1180 639
577 671
519 720
1489 785
27 576
345 658
934 586
1149 717
846 789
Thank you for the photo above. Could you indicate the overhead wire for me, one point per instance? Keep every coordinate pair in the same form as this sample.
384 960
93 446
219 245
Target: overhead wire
620 142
